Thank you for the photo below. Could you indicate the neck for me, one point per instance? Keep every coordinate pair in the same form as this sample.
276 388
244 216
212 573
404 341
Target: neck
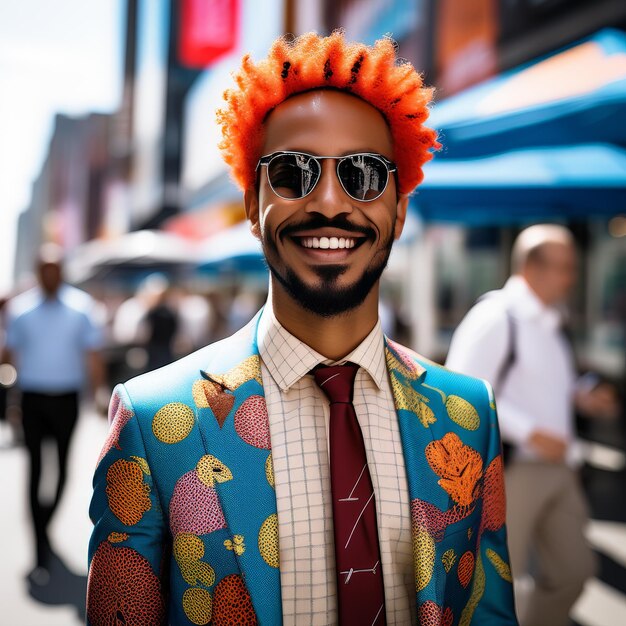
333 337
536 289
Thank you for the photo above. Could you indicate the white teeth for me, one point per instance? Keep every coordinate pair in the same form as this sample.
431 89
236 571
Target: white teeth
328 243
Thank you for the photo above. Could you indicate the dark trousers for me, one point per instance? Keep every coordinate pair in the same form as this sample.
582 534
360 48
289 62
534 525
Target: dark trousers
46 416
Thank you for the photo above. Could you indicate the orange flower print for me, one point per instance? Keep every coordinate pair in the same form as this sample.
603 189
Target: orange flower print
128 495
459 466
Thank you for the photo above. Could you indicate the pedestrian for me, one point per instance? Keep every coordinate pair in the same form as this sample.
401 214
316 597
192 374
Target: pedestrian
308 470
514 338
160 324
53 340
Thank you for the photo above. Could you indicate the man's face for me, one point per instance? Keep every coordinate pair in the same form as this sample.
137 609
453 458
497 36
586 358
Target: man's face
553 273
327 282
50 277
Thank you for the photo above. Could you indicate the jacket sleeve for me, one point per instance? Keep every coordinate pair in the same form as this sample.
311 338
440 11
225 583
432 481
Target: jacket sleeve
127 551
491 602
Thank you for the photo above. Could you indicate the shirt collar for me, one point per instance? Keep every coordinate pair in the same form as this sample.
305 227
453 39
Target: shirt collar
288 359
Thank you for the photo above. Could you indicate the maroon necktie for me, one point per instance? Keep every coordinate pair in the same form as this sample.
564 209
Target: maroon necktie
360 593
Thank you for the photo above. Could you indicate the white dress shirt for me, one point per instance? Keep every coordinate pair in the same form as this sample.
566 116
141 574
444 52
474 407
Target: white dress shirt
50 337
538 391
298 416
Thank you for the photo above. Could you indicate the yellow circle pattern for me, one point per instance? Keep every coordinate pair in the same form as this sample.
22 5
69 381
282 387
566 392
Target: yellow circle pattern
269 470
173 422
268 541
198 606
462 412
424 556
188 550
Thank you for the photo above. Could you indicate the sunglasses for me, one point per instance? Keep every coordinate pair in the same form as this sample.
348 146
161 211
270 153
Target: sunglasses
293 175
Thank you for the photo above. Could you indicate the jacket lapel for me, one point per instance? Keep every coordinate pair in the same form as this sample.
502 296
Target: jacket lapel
419 416
235 429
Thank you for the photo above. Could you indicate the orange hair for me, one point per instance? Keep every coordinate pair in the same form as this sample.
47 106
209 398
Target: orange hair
312 62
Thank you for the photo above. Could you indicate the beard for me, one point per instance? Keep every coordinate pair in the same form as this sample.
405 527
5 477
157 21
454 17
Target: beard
329 298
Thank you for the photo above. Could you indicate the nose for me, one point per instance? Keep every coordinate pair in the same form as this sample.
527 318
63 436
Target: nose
329 197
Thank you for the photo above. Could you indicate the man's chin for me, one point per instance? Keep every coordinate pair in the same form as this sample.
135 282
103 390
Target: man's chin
327 298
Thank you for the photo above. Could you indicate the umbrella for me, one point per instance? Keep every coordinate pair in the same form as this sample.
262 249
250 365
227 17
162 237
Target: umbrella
137 251
235 249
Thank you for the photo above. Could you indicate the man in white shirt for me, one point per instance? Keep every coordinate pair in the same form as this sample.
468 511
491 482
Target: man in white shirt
514 339
254 481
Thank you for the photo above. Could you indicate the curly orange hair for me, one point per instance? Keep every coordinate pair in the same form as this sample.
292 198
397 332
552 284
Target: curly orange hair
313 62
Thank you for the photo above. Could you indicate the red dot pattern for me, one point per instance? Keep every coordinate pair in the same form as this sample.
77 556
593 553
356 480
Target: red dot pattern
123 589
252 422
232 605
494 502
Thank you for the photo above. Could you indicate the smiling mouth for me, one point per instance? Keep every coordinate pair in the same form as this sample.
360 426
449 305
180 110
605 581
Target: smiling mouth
330 243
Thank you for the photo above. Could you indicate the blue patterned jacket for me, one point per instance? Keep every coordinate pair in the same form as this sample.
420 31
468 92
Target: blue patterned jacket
184 506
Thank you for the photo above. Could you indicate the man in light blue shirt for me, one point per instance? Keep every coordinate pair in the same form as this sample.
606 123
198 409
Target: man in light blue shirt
53 341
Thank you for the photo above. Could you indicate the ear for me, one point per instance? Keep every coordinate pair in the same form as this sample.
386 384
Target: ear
401 209
251 204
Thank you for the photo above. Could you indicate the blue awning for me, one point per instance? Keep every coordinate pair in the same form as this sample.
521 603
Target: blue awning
577 95
540 183
234 250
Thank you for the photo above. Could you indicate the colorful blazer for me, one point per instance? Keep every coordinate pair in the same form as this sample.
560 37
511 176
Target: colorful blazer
184 508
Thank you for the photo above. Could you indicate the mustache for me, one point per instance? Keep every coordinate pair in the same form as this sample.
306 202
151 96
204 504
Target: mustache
319 221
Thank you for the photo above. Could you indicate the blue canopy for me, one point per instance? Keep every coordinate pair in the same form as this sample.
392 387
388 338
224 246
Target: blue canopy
577 95
233 251
540 183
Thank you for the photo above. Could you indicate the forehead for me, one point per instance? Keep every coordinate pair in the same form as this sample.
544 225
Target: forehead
327 122
558 251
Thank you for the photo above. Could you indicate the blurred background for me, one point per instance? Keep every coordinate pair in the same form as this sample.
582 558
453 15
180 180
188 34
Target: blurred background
108 148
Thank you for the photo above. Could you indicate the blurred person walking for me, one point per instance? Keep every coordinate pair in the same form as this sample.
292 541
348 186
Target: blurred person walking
52 339
306 469
514 338
160 324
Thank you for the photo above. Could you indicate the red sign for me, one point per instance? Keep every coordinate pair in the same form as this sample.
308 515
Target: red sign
208 30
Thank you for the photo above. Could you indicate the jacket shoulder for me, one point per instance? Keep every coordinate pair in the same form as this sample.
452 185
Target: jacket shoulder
174 382
447 380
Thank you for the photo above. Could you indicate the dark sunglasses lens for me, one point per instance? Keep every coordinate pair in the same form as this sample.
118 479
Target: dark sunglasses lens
364 177
293 175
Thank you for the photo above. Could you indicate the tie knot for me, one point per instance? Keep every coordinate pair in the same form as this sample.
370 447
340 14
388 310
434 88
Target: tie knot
336 381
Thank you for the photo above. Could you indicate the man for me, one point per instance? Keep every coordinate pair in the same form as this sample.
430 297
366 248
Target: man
514 339
53 341
237 485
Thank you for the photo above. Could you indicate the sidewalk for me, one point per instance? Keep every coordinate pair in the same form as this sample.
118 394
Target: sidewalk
69 531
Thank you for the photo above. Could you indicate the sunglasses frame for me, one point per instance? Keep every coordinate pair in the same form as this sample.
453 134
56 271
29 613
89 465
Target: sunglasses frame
390 166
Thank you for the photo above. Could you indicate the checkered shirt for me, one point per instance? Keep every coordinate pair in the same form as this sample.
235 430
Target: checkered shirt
298 416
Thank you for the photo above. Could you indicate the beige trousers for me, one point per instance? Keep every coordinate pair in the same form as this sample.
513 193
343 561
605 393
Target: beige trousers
546 515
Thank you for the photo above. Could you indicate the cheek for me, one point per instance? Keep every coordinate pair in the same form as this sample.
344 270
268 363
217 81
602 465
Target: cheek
271 218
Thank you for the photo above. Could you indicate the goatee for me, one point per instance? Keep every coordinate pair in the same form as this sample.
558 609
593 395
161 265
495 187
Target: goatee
328 299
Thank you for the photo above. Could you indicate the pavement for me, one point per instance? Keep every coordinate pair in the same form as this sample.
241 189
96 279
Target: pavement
61 603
